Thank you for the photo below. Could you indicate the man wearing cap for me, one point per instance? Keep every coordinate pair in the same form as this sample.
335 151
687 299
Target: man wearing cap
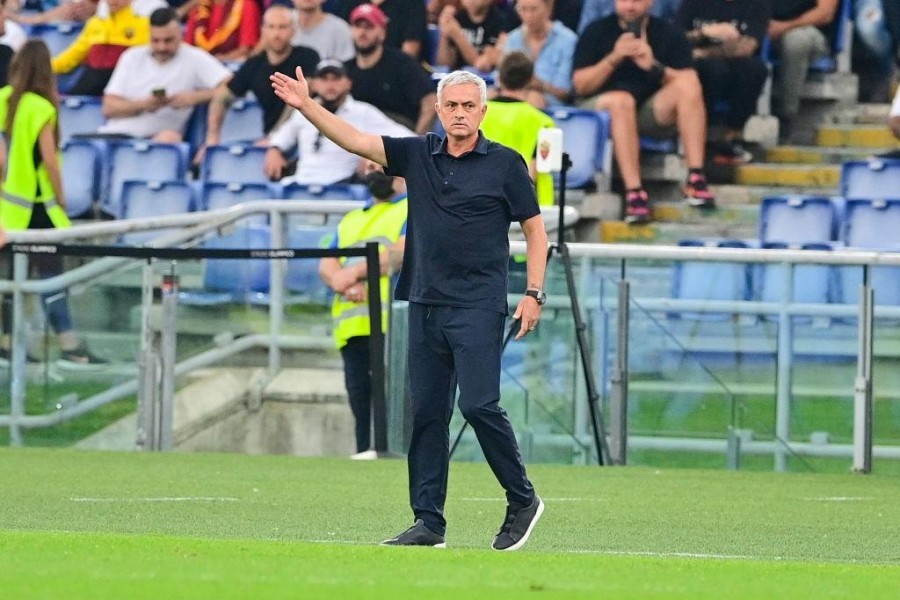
464 192
405 21
253 76
386 77
322 162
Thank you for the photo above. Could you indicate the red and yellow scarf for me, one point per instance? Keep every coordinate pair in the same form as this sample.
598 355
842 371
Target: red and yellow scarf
223 38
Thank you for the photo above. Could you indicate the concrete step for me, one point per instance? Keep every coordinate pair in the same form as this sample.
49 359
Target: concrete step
862 114
753 194
790 175
818 155
727 214
857 136
612 232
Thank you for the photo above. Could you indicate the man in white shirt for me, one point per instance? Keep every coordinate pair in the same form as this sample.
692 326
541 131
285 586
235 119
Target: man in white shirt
323 32
322 162
154 88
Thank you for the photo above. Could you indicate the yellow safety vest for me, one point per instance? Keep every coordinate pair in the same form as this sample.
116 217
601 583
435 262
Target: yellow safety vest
27 183
382 222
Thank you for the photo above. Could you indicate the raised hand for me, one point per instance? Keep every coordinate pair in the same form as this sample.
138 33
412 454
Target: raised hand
294 92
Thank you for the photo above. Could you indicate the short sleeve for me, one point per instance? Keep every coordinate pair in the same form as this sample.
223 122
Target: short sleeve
118 82
396 150
208 70
242 80
519 190
679 55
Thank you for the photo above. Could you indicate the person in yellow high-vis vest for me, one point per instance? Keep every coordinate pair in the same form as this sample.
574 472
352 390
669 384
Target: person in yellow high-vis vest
32 195
384 221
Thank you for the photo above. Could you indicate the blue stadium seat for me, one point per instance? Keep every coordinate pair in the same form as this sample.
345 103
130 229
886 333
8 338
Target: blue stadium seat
876 178
585 137
797 219
218 195
80 173
233 280
57 36
335 191
79 115
659 145
813 284
844 17
235 163
142 199
872 223
243 122
434 36
141 160
302 281
710 281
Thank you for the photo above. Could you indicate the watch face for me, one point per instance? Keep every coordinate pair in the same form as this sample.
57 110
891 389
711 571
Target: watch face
539 295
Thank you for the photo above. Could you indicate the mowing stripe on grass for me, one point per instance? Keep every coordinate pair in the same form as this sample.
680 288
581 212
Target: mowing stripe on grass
501 499
162 499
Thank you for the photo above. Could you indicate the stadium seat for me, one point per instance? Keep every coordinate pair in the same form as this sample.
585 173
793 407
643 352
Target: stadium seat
141 160
243 122
710 280
797 219
337 191
842 38
302 281
876 178
58 36
812 284
233 280
217 195
79 115
585 139
873 224
234 163
80 173
143 199
434 36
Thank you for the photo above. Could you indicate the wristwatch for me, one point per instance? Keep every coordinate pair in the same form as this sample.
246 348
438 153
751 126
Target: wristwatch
540 296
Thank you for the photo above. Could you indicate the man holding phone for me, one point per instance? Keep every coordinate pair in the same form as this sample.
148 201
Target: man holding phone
639 68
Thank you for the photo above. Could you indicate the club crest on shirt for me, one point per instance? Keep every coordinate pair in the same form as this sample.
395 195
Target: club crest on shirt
129 32
544 149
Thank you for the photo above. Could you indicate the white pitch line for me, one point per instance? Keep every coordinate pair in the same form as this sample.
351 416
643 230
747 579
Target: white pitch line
159 499
840 499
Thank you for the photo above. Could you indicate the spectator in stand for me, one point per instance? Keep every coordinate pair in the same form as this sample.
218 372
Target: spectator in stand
726 36
551 45
82 10
277 56
322 162
470 35
387 78
639 68
874 55
6 48
404 23
801 31
592 10
154 88
227 29
323 32
512 121
100 45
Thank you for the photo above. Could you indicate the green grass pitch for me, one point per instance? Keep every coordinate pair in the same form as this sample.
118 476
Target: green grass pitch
76 524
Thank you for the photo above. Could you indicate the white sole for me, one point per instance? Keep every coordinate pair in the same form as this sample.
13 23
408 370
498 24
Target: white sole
527 535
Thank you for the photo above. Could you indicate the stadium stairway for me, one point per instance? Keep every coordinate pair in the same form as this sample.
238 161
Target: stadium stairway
844 134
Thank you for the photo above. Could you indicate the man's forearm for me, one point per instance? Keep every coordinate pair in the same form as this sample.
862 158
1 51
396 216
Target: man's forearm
217 108
117 107
535 251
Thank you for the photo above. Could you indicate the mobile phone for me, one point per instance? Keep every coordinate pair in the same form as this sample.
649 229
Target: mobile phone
634 27
159 92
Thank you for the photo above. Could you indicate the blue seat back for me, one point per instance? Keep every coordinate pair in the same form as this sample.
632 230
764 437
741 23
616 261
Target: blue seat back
797 219
243 122
878 178
812 284
140 160
585 139
81 175
710 280
239 276
79 114
872 223
234 163
142 199
217 196
58 36
302 277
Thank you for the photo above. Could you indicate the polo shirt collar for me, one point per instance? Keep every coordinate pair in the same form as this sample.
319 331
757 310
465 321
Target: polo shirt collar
481 146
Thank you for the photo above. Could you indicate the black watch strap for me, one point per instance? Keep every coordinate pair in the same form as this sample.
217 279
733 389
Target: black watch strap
539 295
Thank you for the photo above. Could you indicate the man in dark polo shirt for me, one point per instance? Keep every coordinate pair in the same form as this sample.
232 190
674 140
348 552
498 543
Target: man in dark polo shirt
391 81
277 56
464 191
639 68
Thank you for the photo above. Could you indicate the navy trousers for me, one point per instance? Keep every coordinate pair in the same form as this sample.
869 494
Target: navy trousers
450 347
358 381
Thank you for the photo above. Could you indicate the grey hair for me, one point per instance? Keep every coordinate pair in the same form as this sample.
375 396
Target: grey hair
460 77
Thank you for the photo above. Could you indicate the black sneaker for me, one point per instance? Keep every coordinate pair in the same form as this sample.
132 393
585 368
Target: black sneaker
517 526
80 358
6 358
417 535
732 153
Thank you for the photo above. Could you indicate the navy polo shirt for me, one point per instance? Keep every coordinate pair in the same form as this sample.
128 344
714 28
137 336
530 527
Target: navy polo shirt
460 209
